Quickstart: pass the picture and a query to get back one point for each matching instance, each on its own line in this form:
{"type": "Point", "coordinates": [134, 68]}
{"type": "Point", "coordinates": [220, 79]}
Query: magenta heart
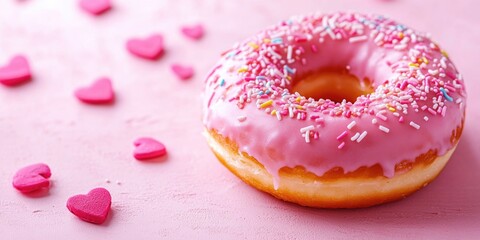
{"type": "Point", "coordinates": [194, 32]}
{"type": "Point", "coordinates": [183, 72]}
{"type": "Point", "coordinates": [148, 148]}
{"type": "Point", "coordinates": [95, 7]}
{"type": "Point", "coordinates": [17, 71]}
{"type": "Point", "coordinates": [100, 92]}
{"type": "Point", "coordinates": [93, 207]}
{"type": "Point", "coordinates": [32, 178]}
{"type": "Point", "coordinates": [149, 48]}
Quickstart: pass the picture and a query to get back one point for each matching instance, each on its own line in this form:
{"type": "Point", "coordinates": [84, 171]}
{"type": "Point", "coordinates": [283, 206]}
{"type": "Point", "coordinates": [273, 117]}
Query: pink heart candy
{"type": "Point", "coordinates": [16, 72]}
{"type": "Point", "coordinates": [182, 71]}
{"type": "Point", "coordinates": [149, 48]}
{"type": "Point", "coordinates": [32, 178]}
{"type": "Point", "coordinates": [100, 92]}
{"type": "Point", "coordinates": [95, 7]}
{"type": "Point", "coordinates": [194, 32]}
{"type": "Point", "coordinates": [93, 207]}
{"type": "Point", "coordinates": [148, 148]}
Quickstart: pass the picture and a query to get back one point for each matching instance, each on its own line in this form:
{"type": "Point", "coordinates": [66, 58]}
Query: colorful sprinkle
{"type": "Point", "coordinates": [414, 125]}
{"type": "Point", "coordinates": [362, 136]}
{"type": "Point", "coordinates": [355, 137]}
{"type": "Point", "coordinates": [445, 95]}
{"type": "Point", "coordinates": [358, 39]}
{"type": "Point", "coordinates": [342, 135]}
{"type": "Point", "coordinates": [351, 125]}
{"type": "Point", "coordinates": [384, 129]}
{"type": "Point", "coordinates": [306, 129]}
{"type": "Point", "coordinates": [241, 118]}
{"type": "Point", "coordinates": [266, 104]}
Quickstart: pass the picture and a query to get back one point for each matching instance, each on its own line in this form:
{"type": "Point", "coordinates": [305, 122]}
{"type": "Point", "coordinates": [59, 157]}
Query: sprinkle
{"type": "Point", "coordinates": [432, 72]}
{"type": "Point", "coordinates": [358, 39]}
{"type": "Point", "coordinates": [355, 136]}
{"type": "Point", "coordinates": [432, 111]}
{"type": "Point", "coordinates": [445, 95]}
{"type": "Point", "coordinates": [277, 40]}
{"type": "Point", "coordinates": [444, 111]}
{"type": "Point", "coordinates": [341, 145]}
{"type": "Point", "coordinates": [290, 112]}
{"type": "Point", "coordinates": [425, 118]}
{"type": "Point", "coordinates": [307, 128]}
{"type": "Point", "coordinates": [253, 45]}
{"type": "Point", "coordinates": [289, 52]}
{"type": "Point", "coordinates": [274, 54]}
{"type": "Point", "coordinates": [342, 135]}
{"type": "Point", "coordinates": [222, 82]}
{"type": "Point", "coordinates": [242, 69]}
{"type": "Point", "coordinates": [379, 37]}
{"type": "Point", "coordinates": [307, 136]}
{"type": "Point", "coordinates": [400, 47]}
{"type": "Point", "coordinates": [374, 121]}
{"type": "Point", "coordinates": [241, 118]}
{"type": "Point", "coordinates": [266, 104]}
{"type": "Point", "coordinates": [384, 129]}
{"type": "Point", "coordinates": [362, 136]}
{"type": "Point", "coordinates": [288, 69]}
{"type": "Point", "coordinates": [414, 125]}
{"type": "Point", "coordinates": [351, 125]}
{"type": "Point", "coordinates": [445, 54]}
{"type": "Point", "coordinates": [279, 116]}
{"type": "Point", "coordinates": [381, 116]}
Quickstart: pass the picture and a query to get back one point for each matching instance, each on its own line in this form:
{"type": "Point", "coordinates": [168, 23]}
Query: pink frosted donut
{"type": "Point", "coordinates": [335, 110]}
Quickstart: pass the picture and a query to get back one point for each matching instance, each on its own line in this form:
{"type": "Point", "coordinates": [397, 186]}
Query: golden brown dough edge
{"type": "Point", "coordinates": [363, 188]}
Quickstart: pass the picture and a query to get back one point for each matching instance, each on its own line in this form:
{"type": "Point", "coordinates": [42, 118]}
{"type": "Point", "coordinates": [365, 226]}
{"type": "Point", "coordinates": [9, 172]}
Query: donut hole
{"type": "Point", "coordinates": [333, 84]}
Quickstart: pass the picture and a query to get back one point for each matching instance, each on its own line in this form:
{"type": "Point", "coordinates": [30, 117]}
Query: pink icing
{"type": "Point", "coordinates": [419, 96]}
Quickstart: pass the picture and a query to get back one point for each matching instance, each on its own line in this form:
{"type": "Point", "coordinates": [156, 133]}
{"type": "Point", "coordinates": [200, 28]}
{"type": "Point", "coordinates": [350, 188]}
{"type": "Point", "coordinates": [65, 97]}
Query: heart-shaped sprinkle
{"type": "Point", "coordinates": [100, 92]}
{"type": "Point", "coordinates": [183, 72]}
{"type": "Point", "coordinates": [148, 148]}
{"type": "Point", "coordinates": [93, 207]}
{"type": "Point", "coordinates": [32, 178]}
{"type": "Point", "coordinates": [149, 48]}
{"type": "Point", "coordinates": [194, 32]}
{"type": "Point", "coordinates": [95, 7]}
{"type": "Point", "coordinates": [16, 72]}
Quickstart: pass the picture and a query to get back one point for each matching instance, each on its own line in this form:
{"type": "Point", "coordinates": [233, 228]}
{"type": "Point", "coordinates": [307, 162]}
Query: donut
{"type": "Point", "coordinates": [339, 110]}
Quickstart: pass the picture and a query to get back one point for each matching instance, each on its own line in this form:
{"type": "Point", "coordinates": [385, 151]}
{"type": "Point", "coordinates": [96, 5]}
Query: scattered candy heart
{"type": "Point", "coordinates": [17, 71]}
{"type": "Point", "coordinates": [194, 32]}
{"type": "Point", "coordinates": [100, 92]}
{"type": "Point", "coordinates": [148, 148]}
{"type": "Point", "coordinates": [149, 48]}
{"type": "Point", "coordinates": [95, 7]}
{"type": "Point", "coordinates": [93, 207]}
{"type": "Point", "coordinates": [183, 72]}
{"type": "Point", "coordinates": [32, 178]}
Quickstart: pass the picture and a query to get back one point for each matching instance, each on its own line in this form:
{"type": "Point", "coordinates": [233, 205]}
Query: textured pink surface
{"type": "Point", "coordinates": [189, 194]}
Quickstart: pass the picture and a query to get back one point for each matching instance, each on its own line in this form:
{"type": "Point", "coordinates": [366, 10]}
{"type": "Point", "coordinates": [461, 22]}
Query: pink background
{"type": "Point", "coordinates": [188, 193]}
